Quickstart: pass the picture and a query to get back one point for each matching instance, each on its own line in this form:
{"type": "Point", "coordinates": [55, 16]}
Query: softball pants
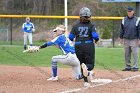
{"type": "Point", "coordinates": [86, 54]}
{"type": "Point", "coordinates": [29, 37]}
{"type": "Point", "coordinates": [70, 60]}
{"type": "Point", "coordinates": [131, 46]}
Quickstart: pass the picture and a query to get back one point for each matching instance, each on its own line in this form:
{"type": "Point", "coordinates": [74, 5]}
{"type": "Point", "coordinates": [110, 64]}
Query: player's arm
{"type": "Point", "coordinates": [23, 27]}
{"type": "Point", "coordinates": [72, 34]}
{"type": "Point", "coordinates": [33, 28]}
{"type": "Point", "coordinates": [138, 27]}
{"type": "Point", "coordinates": [55, 41]}
{"type": "Point", "coordinates": [121, 31]}
{"type": "Point", "coordinates": [46, 44]}
{"type": "Point", "coordinates": [33, 49]}
{"type": "Point", "coordinates": [122, 28]}
{"type": "Point", "coordinates": [95, 35]}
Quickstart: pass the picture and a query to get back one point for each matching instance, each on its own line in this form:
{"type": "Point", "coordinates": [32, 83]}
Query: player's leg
{"type": "Point", "coordinates": [54, 70]}
{"type": "Point", "coordinates": [128, 56]}
{"type": "Point", "coordinates": [79, 49]}
{"type": "Point", "coordinates": [30, 37]}
{"type": "Point", "coordinates": [87, 73]}
{"type": "Point", "coordinates": [55, 60]}
{"type": "Point", "coordinates": [128, 51]}
{"type": "Point", "coordinates": [135, 50]}
{"type": "Point", "coordinates": [77, 72]}
{"type": "Point", "coordinates": [75, 63]}
{"type": "Point", "coordinates": [70, 60]}
{"type": "Point", "coordinates": [25, 40]}
{"type": "Point", "coordinates": [90, 56]}
{"type": "Point", "coordinates": [90, 61]}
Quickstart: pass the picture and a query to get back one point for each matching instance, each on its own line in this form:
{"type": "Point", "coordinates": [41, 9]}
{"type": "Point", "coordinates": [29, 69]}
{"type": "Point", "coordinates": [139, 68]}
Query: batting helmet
{"type": "Point", "coordinates": [85, 12]}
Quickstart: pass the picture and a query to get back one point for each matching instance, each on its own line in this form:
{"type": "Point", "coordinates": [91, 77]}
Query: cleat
{"type": "Point", "coordinates": [79, 77]}
{"type": "Point", "coordinates": [24, 51]}
{"type": "Point", "coordinates": [86, 84]}
{"type": "Point", "coordinates": [127, 69]}
{"type": "Point", "coordinates": [91, 76]}
{"type": "Point", "coordinates": [85, 71]}
{"type": "Point", "coordinates": [53, 79]}
{"type": "Point", "coordinates": [134, 69]}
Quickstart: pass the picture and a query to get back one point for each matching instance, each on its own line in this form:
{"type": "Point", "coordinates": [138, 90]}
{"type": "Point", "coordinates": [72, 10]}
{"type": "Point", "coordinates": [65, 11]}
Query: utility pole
{"type": "Point", "coordinates": [66, 14]}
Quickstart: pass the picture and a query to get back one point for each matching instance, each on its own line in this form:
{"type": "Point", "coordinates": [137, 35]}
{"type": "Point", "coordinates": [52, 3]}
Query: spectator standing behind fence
{"type": "Point", "coordinates": [130, 36]}
{"type": "Point", "coordinates": [28, 29]}
{"type": "Point", "coordinates": [85, 36]}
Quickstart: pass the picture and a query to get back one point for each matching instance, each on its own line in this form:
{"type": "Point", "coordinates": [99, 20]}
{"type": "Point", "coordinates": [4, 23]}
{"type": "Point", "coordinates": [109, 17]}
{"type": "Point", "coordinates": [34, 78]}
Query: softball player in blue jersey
{"type": "Point", "coordinates": [27, 29]}
{"type": "Point", "coordinates": [85, 36]}
{"type": "Point", "coordinates": [69, 57]}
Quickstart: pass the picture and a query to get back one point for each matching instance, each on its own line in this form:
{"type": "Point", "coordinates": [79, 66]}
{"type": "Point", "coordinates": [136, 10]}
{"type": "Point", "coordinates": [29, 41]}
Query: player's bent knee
{"type": "Point", "coordinates": [90, 67]}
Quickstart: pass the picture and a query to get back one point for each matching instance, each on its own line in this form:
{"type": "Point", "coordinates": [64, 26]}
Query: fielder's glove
{"type": "Point", "coordinates": [33, 30]}
{"type": "Point", "coordinates": [32, 49]}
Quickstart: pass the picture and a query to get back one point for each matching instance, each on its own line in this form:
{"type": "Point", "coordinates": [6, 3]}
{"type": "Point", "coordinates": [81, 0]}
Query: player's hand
{"type": "Point", "coordinates": [33, 30]}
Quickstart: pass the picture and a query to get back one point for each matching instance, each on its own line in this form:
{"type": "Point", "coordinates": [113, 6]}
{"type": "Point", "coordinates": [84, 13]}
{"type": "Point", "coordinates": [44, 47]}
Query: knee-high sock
{"type": "Point", "coordinates": [25, 47]}
{"type": "Point", "coordinates": [54, 68]}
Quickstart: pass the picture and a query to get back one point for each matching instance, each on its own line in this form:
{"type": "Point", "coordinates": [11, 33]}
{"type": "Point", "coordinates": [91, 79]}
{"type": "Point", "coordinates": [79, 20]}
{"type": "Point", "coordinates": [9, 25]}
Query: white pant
{"type": "Point", "coordinates": [29, 36]}
{"type": "Point", "coordinates": [71, 60]}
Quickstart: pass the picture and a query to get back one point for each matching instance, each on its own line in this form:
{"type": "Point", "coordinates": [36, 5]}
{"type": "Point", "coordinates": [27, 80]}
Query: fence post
{"type": "Point", "coordinates": [113, 40]}
{"type": "Point", "coordinates": [11, 23]}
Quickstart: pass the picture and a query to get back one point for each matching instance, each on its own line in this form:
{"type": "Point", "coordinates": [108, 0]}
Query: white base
{"type": "Point", "coordinates": [101, 81]}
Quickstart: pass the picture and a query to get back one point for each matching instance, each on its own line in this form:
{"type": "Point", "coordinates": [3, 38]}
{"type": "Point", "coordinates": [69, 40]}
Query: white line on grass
{"type": "Point", "coordinates": [83, 88]}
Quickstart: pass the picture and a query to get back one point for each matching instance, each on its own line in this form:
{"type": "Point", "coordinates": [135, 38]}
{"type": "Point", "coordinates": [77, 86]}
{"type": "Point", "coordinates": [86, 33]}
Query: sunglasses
{"type": "Point", "coordinates": [129, 11]}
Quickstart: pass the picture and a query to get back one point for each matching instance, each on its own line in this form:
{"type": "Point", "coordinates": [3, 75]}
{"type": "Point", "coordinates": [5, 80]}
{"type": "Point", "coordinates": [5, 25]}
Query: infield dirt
{"type": "Point", "coordinates": [25, 79]}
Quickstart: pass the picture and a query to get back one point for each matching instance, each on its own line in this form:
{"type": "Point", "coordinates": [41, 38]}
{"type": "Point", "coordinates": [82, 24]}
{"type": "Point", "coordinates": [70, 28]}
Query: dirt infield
{"type": "Point", "coordinates": [24, 79]}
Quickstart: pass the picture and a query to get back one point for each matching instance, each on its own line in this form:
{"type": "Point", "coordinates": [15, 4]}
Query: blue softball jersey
{"type": "Point", "coordinates": [64, 44]}
{"type": "Point", "coordinates": [27, 27]}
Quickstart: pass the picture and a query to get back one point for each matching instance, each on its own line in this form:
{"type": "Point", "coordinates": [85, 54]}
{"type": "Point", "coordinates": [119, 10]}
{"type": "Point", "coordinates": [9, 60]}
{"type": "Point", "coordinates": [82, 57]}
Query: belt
{"type": "Point", "coordinates": [71, 53]}
{"type": "Point", "coordinates": [87, 41]}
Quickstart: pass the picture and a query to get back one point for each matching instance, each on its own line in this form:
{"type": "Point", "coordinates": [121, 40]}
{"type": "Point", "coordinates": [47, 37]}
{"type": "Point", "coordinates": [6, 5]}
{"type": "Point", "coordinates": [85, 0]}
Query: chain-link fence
{"type": "Point", "coordinates": [11, 30]}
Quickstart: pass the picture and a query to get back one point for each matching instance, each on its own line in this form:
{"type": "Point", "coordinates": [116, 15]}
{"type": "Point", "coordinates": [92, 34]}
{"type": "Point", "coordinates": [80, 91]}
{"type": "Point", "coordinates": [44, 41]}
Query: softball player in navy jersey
{"type": "Point", "coordinates": [69, 57]}
{"type": "Point", "coordinates": [85, 36]}
{"type": "Point", "coordinates": [28, 28]}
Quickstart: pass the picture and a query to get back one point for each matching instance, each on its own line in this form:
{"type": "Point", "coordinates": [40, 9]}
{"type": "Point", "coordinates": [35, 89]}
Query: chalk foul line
{"type": "Point", "coordinates": [83, 88]}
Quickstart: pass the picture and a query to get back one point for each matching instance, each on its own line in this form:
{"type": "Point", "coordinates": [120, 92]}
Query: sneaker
{"type": "Point", "coordinates": [86, 84]}
{"type": "Point", "coordinates": [24, 51]}
{"type": "Point", "coordinates": [53, 79]}
{"type": "Point", "coordinates": [91, 76]}
{"type": "Point", "coordinates": [134, 69]}
{"type": "Point", "coordinates": [127, 69]}
{"type": "Point", "coordinates": [85, 71]}
{"type": "Point", "coordinates": [79, 77]}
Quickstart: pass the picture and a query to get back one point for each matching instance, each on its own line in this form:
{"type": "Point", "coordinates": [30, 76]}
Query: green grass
{"type": "Point", "coordinates": [12, 55]}
{"type": "Point", "coordinates": [19, 42]}
{"type": "Point", "coordinates": [109, 58]}
{"type": "Point", "coordinates": [106, 58]}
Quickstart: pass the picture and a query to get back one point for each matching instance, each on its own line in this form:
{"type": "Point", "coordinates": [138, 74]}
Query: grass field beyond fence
{"type": "Point", "coordinates": [105, 58]}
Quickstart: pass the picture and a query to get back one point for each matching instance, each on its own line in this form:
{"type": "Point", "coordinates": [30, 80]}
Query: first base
{"type": "Point", "coordinates": [101, 80]}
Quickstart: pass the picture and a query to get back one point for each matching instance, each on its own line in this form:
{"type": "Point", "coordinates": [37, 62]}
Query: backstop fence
{"type": "Point", "coordinates": [11, 28]}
